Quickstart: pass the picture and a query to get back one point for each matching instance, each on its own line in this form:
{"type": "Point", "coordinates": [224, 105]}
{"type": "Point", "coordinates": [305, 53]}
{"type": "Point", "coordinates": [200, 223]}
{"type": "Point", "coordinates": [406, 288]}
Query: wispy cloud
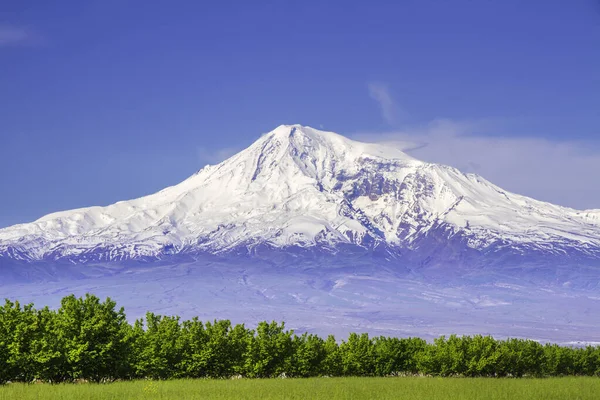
{"type": "Point", "coordinates": [561, 172]}
{"type": "Point", "coordinates": [380, 92]}
{"type": "Point", "coordinates": [11, 35]}
{"type": "Point", "coordinates": [216, 156]}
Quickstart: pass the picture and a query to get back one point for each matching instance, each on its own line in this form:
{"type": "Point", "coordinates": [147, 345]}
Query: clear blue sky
{"type": "Point", "coordinates": [102, 101]}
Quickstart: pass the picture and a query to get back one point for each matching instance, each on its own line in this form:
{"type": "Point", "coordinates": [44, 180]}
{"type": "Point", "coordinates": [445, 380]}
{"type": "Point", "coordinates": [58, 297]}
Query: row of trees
{"type": "Point", "coordinates": [92, 340]}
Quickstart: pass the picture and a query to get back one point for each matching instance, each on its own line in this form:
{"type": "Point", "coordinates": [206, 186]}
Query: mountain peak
{"type": "Point", "coordinates": [288, 132]}
{"type": "Point", "coordinates": [297, 186]}
{"type": "Point", "coordinates": [305, 139]}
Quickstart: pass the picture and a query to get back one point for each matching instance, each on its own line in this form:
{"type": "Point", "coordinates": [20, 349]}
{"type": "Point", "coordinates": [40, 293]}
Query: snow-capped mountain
{"type": "Point", "coordinates": [300, 188]}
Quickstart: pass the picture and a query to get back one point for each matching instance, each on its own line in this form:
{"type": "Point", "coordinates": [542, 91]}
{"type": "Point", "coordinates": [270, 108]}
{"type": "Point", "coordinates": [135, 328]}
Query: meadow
{"type": "Point", "coordinates": [409, 388]}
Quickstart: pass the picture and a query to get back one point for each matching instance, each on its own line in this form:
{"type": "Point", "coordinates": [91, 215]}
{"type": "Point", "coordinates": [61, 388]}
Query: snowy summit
{"type": "Point", "coordinates": [298, 188]}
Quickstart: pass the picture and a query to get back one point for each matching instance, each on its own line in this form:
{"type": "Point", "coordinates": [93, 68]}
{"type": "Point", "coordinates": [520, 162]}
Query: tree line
{"type": "Point", "coordinates": [87, 339]}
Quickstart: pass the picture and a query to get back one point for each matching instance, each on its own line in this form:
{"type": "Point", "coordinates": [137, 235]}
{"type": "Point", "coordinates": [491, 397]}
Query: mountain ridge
{"type": "Point", "coordinates": [298, 187]}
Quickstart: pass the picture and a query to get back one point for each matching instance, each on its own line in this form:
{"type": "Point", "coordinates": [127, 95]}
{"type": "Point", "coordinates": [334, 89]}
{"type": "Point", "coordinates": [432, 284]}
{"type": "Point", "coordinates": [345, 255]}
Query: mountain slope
{"type": "Point", "coordinates": [300, 187]}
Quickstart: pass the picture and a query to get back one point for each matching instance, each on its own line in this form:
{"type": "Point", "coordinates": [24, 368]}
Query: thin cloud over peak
{"type": "Point", "coordinates": [380, 92]}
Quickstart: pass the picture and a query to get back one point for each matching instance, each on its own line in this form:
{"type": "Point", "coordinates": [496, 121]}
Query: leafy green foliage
{"type": "Point", "coordinates": [308, 357]}
{"type": "Point", "coordinates": [87, 339]}
{"type": "Point", "coordinates": [93, 336]}
{"type": "Point", "coordinates": [269, 352]}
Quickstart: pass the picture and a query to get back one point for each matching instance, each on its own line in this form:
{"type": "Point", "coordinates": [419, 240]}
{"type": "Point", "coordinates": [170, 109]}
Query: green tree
{"type": "Point", "coordinates": [159, 349]}
{"type": "Point", "coordinates": [358, 356]}
{"type": "Point", "coordinates": [332, 364]}
{"type": "Point", "coordinates": [94, 334]}
{"type": "Point", "coordinates": [558, 360]}
{"type": "Point", "coordinates": [517, 357]}
{"type": "Point", "coordinates": [587, 361]}
{"type": "Point", "coordinates": [17, 331]}
{"type": "Point", "coordinates": [269, 351]}
{"type": "Point", "coordinates": [394, 355]}
{"type": "Point", "coordinates": [48, 350]}
{"type": "Point", "coordinates": [481, 356]}
{"type": "Point", "coordinates": [309, 355]}
{"type": "Point", "coordinates": [213, 350]}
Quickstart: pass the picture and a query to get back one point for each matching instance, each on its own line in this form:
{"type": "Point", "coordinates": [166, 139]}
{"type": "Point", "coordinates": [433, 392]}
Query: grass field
{"type": "Point", "coordinates": [319, 388]}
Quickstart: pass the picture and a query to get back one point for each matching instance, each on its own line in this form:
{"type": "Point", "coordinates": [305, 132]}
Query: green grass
{"type": "Point", "coordinates": [319, 388]}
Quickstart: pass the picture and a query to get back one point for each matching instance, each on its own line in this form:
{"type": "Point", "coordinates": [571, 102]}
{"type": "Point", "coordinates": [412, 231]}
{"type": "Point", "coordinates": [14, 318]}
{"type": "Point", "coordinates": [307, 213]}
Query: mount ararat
{"type": "Point", "coordinates": [307, 223]}
{"type": "Point", "coordinates": [300, 187]}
